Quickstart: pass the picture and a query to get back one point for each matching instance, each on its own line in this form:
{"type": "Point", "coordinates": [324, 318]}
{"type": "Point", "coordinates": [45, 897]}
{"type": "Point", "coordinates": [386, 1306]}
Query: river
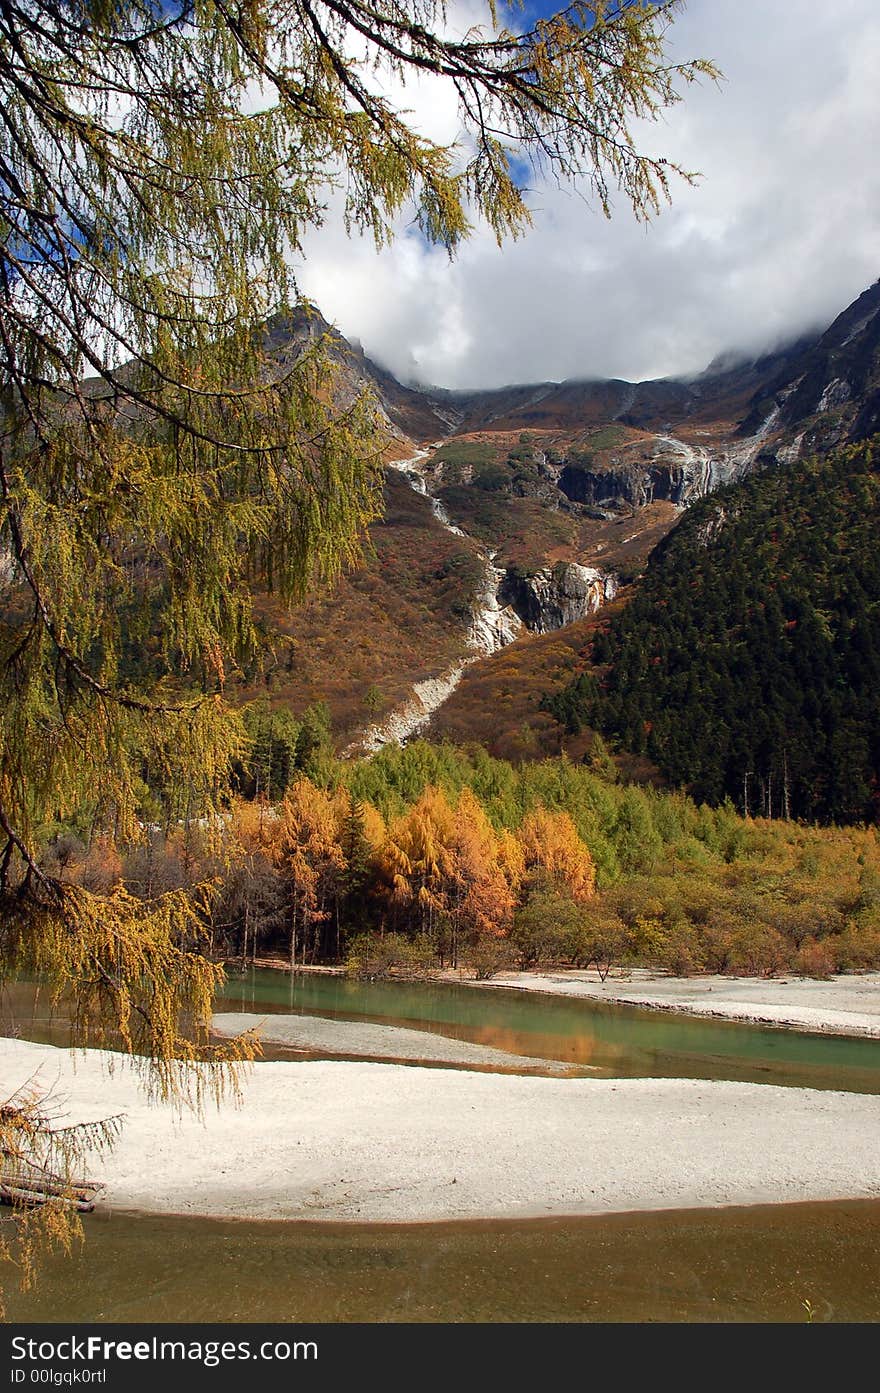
{"type": "Point", "coordinates": [747, 1264]}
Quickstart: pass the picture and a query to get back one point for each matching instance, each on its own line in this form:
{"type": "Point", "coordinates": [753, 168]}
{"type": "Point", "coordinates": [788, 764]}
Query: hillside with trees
{"type": "Point", "coordinates": [162, 166]}
{"type": "Point", "coordinates": [747, 664]}
{"type": "Point", "coordinates": [430, 857]}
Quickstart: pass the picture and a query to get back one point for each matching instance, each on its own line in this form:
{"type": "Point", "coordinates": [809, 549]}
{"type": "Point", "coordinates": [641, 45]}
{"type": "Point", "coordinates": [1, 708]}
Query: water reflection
{"type": "Point", "coordinates": [616, 1040]}
{"type": "Point", "coordinates": [606, 1039]}
{"type": "Point", "coordinates": [730, 1265]}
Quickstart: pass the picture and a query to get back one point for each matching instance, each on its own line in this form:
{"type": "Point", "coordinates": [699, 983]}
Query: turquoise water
{"type": "Point", "coordinates": [756, 1264]}
{"type": "Point", "coordinates": [588, 1036]}
{"type": "Point", "coordinates": [619, 1040]}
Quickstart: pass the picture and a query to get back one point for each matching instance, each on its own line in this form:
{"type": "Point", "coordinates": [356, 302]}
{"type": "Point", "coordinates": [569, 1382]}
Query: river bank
{"type": "Point", "coordinates": [846, 1005]}
{"type": "Point", "coordinates": [361, 1142]}
{"type": "Point", "coordinates": [370, 1041]}
{"type": "Point", "coordinates": [843, 1005]}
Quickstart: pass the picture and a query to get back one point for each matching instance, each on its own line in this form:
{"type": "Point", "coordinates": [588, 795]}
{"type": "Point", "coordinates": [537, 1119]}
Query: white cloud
{"type": "Point", "coordinates": [779, 235]}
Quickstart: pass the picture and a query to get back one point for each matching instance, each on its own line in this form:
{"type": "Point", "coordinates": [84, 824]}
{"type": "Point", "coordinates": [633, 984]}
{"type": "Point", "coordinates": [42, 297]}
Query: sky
{"type": "Point", "coordinates": [778, 235]}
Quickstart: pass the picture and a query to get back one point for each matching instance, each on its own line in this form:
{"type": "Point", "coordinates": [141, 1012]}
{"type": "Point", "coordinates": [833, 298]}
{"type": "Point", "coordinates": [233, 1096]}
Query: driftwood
{"type": "Point", "coordinates": [31, 1190]}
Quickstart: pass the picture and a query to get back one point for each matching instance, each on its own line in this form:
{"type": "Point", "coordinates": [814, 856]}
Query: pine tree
{"type": "Point", "coordinates": [357, 851]}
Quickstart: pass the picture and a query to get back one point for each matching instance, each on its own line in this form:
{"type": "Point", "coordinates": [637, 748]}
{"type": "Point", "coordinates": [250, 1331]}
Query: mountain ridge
{"type": "Point", "coordinates": [529, 492]}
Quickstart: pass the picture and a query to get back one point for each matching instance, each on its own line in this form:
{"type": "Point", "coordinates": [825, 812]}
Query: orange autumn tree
{"type": "Point", "coordinates": [250, 900]}
{"type": "Point", "coordinates": [419, 864]}
{"type": "Point", "coordinates": [488, 871]}
{"type": "Point", "coordinates": [554, 852]}
{"type": "Point", "coordinates": [560, 880]}
{"type": "Point", "coordinates": [304, 843]}
{"type": "Point", "coordinates": [452, 870]}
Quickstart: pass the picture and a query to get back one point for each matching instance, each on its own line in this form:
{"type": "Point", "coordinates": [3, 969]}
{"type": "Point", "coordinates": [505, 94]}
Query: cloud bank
{"type": "Point", "coordinates": [777, 237]}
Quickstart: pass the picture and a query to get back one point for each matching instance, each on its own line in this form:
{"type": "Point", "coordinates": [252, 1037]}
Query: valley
{"type": "Point", "coordinates": [514, 516]}
{"type": "Point", "coordinates": [440, 659]}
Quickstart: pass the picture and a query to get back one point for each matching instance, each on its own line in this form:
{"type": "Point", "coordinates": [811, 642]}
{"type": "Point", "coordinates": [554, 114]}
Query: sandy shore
{"type": "Point", "coordinates": [840, 1006]}
{"type": "Point", "coordinates": [318, 1035]}
{"type": "Point", "coordinates": [360, 1141]}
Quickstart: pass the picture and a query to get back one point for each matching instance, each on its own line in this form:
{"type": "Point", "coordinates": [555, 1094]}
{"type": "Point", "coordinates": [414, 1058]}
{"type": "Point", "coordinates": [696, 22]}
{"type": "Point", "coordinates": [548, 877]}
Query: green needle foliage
{"type": "Point", "coordinates": [159, 166]}
{"type": "Point", "coordinates": [748, 663]}
{"type": "Point", "coordinates": [160, 162]}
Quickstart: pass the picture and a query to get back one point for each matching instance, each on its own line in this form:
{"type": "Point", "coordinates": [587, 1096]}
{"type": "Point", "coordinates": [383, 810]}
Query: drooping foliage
{"type": "Point", "coordinates": [41, 1160]}
{"type": "Point", "coordinates": [160, 447]}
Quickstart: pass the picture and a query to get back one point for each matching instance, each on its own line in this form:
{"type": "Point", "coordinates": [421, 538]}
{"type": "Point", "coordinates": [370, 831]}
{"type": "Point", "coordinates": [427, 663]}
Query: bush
{"type": "Point", "coordinates": [757, 950]}
{"type": "Point", "coordinates": [857, 949]}
{"type": "Point", "coordinates": [678, 952]}
{"type": "Point", "coordinates": [373, 957]}
{"type": "Point", "coordinates": [546, 929]}
{"type": "Point", "coordinates": [815, 959]}
{"type": "Point", "coordinates": [605, 941]}
{"type": "Point", "coordinates": [489, 954]}
{"type": "Point", "coordinates": [717, 948]}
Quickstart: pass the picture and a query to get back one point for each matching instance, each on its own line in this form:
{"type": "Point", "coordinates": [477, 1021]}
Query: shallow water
{"type": "Point", "coordinates": [613, 1040]}
{"type": "Point", "coordinates": [609, 1040]}
{"type": "Point", "coordinates": [755, 1264]}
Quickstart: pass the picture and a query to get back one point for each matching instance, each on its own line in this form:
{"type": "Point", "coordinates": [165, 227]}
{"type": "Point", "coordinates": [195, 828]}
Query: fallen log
{"type": "Point", "coordinates": [30, 1199]}
{"type": "Point", "coordinates": [34, 1190]}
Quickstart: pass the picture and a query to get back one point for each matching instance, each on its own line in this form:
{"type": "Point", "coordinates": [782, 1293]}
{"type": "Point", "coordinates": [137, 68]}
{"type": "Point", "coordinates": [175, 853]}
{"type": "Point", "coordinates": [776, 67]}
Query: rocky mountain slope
{"type": "Point", "coordinates": [517, 512]}
{"type": "Point", "coordinates": [747, 666]}
{"type": "Point", "coordinates": [828, 394]}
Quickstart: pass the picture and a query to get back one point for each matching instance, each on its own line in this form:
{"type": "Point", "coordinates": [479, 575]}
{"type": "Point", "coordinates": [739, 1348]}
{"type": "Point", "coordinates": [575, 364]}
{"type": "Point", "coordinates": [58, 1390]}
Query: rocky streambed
{"type": "Point", "coordinates": [507, 602]}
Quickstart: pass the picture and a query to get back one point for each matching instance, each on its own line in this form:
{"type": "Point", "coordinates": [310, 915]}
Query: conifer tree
{"type": "Point", "coordinates": [160, 164]}
{"type": "Point", "coordinates": [357, 852]}
{"type": "Point", "coordinates": [554, 853]}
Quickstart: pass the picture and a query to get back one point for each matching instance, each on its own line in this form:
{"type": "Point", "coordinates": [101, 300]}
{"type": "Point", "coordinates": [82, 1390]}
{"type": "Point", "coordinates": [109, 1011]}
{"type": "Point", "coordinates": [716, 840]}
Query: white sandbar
{"type": "Point", "coordinates": [846, 1005]}
{"type": "Point", "coordinates": [358, 1141]}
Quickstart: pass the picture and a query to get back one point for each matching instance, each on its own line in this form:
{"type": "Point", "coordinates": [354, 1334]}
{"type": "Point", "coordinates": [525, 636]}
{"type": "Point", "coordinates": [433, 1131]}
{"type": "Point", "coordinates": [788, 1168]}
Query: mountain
{"type": "Point", "coordinates": [411, 415]}
{"type": "Point", "coordinates": [747, 665]}
{"type": "Point", "coordinates": [527, 509]}
{"type": "Point", "coordinates": [828, 393]}
{"type": "Point", "coordinates": [719, 396]}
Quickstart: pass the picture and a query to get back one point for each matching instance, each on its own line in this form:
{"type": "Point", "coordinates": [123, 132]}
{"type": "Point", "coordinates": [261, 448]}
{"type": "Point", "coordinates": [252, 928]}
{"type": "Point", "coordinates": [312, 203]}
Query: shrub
{"type": "Point", "coordinates": [372, 957]}
{"type": "Point", "coordinates": [815, 959]}
{"type": "Point", "coordinates": [606, 942]}
{"type": "Point", "coordinates": [489, 954]}
{"type": "Point", "coordinates": [546, 928]}
{"type": "Point", "coordinates": [678, 951]}
{"type": "Point", "coordinates": [757, 950]}
{"type": "Point", "coordinates": [857, 949]}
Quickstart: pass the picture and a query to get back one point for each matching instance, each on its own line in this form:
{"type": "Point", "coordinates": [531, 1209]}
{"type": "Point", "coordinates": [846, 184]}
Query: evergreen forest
{"type": "Point", "coordinates": [746, 665]}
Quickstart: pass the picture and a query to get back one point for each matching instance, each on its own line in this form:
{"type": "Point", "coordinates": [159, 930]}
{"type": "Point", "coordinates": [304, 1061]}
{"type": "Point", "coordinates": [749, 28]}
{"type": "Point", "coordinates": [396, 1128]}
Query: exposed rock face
{"type": "Point", "coordinates": [829, 394]}
{"type": "Point", "coordinates": [415, 714]}
{"type": "Point", "coordinates": [551, 598]}
{"type": "Point", "coordinates": [679, 474]}
{"type": "Point", "coordinates": [629, 486]}
{"type": "Point", "coordinates": [687, 474]}
{"type": "Point", "coordinates": [410, 414]}
{"type": "Point", "coordinates": [495, 623]}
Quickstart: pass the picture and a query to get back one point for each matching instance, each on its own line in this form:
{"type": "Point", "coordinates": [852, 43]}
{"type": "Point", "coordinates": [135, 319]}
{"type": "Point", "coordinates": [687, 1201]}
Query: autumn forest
{"type": "Point", "coordinates": [430, 856]}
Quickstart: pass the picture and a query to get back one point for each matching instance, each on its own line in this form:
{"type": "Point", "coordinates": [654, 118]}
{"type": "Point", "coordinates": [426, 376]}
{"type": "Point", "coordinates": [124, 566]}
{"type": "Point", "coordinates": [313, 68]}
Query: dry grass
{"type": "Point", "coordinates": [403, 615]}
